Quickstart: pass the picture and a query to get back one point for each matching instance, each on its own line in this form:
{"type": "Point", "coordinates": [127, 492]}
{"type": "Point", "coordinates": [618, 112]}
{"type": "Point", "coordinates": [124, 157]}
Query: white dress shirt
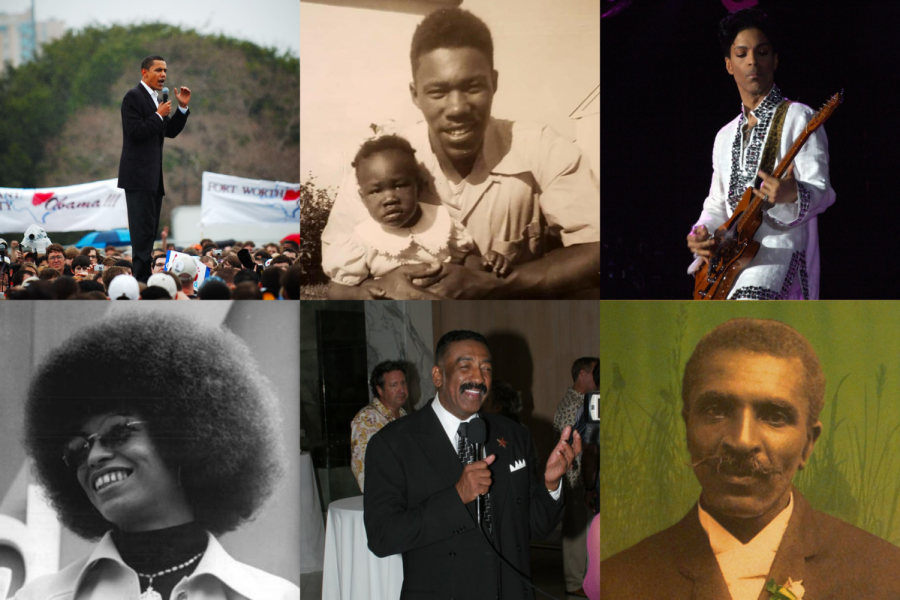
{"type": "Point", "coordinates": [451, 428]}
{"type": "Point", "coordinates": [746, 566]}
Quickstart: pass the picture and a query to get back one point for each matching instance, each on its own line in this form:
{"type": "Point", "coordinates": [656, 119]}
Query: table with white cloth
{"type": "Point", "coordinates": [312, 530]}
{"type": "Point", "coordinates": [351, 570]}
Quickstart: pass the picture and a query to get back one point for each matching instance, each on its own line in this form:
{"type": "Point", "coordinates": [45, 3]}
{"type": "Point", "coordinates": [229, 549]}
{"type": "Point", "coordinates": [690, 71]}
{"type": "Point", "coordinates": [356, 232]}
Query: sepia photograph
{"type": "Point", "coordinates": [450, 149]}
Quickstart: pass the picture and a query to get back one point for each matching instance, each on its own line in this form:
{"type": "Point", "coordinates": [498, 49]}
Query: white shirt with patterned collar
{"type": "Point", "coordinates": [787, 264]}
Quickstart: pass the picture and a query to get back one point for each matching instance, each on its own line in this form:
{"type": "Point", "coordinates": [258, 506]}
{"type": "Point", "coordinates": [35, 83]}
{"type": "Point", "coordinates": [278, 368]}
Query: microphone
{"type": "Point", "coordinates": [477, 435]}
{"type": "Point", "coordinates": [165, 91]}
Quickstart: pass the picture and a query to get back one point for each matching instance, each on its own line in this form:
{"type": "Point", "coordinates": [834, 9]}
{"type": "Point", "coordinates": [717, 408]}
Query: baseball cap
{"type": "Point", "coordinates": [124, 284]}
{"type": "Point", "coordinates": [164, 281]}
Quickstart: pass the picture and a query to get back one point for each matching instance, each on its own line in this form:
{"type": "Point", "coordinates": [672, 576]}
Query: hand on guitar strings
{"type": "Point", "coordinates": [778, 191]}
{"type": "Point", "coordinates": [701, 242]}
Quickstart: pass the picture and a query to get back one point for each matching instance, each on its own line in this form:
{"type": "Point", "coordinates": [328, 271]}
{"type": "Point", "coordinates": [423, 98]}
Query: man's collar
{"type": "Point", "coordinates": [448, 421]}
{"type": "Point", "coordinates": [721, 540]}
{"type": "Point", "coordinates": [151, 91]}
{"type": "Point", "coordinates": [767, 106]}
{"type": "Point", "coordinates": [384, 410]}
{"type": "Point", "coordinates": [496, 154]}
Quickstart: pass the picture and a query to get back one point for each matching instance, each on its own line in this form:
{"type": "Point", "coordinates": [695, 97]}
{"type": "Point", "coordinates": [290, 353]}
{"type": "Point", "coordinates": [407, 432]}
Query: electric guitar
{"type": "Point", "coordinates": [735, 246]}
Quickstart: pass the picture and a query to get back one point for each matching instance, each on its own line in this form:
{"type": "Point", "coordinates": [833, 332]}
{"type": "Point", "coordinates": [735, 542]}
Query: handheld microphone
{"type": "Point", "coordinates": [165, 91]}
{"type": "Point", "coordinates": [477, 435]}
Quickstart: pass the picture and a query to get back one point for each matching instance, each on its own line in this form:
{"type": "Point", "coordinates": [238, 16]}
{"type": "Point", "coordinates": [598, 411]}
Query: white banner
{"type": "Point", "coordinates": [95, 206]}
{"type": "Point", "coordinates": [200, 272]}
{"type": "Point", "coordinates": [228, 199]}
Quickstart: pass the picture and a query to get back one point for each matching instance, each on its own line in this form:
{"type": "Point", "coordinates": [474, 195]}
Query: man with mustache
{"type": "Point", "coordinates": [420, 498]}
{"type": "Point", "coordinates": [752, 393]}
{"type": "Point", "coordinates": [787, 264]}
{"type": "Point", "coordinates": [510, 184]}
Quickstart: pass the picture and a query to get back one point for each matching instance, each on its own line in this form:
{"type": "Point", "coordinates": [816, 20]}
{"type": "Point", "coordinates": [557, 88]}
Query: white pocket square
{"type": "Point", "coordinates": [519, 464]}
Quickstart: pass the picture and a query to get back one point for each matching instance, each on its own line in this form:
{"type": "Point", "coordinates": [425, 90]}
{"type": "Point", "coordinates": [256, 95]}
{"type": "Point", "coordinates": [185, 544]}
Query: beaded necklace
{"type": "Point", "coordinates": [152, 594]}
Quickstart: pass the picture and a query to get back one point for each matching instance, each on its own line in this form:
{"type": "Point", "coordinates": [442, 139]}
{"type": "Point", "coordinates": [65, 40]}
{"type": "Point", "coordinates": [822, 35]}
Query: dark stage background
{"type": "Point", "coordinates": [666, 93]}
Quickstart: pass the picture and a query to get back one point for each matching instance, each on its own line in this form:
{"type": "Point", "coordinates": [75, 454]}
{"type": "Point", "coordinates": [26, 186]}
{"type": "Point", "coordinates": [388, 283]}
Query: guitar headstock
{"type": "Point", "coordinates": [825, 112]}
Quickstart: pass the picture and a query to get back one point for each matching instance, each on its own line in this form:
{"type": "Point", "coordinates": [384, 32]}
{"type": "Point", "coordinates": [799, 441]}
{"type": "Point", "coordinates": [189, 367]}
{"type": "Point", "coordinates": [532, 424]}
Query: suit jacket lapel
{"type": "Point", "coordinates": [697, 561]}
{"type": "Point", "coordinates": [500, 475]}
{"type": "Point", "coordinates": [436, 448]}
{"type": "Point", "coordinates": [800, 541]}
{"type": "Point", "coordinates": [147, 96]}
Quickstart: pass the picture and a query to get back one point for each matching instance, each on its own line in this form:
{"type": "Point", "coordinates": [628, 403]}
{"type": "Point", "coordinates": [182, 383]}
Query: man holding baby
{"type": "Point", "coordinates": [509, 184]}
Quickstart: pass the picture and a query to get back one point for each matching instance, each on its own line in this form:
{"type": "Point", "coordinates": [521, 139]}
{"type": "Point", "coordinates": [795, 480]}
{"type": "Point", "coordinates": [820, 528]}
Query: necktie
{"type": "Point", "coordinates": [466, 453]}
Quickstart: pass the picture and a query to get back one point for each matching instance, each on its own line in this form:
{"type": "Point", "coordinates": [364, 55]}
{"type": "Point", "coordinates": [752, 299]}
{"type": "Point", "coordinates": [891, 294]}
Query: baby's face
{"type": "Point", "coordinates": [388, 186]}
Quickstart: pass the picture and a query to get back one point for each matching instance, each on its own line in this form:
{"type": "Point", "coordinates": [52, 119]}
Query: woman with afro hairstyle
{"type": "Point", "coordinates": [177, 445]}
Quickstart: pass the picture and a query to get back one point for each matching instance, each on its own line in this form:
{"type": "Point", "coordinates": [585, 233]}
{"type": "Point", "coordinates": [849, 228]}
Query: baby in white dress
{"type": "Point", "coordinates": [401, 230]}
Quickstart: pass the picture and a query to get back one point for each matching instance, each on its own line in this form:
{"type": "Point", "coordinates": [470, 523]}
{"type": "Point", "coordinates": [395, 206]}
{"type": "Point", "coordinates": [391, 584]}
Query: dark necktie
{"type": "Point", "coordinates": [466, 453]}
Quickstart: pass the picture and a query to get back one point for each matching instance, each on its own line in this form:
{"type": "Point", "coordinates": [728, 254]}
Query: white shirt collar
{"type": "Point", "coordinates": [431, 231]}
{"type": "Point", "coordinates": [153, 93]}
{"type": "Point", "coordinates": [215, 562]}
{"type": "Point", "coordinates": [746, 566]}
{"type": "Point", "coordinates": [448, 421]}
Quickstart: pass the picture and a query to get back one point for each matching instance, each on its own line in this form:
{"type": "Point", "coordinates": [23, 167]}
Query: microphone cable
{"type": "Point", "coordinates": [525, 579]}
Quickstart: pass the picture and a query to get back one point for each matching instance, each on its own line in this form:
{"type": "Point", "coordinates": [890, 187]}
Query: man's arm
{"type": "Point", "coordinates": [176, 123]}
{"type": "Point", "coordinates": [393, 525]}
{"type": "Point", "coordinates": [560, 272]}
{"type": "Point", "coordinates": [135, 125]}
{"type": "Point", "coordinates": [358, 449]}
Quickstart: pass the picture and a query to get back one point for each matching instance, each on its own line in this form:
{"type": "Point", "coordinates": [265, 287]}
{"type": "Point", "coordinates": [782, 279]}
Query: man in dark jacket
{"type": "Point", "coordinates": [752, 392]}
{"type": "Point", "coordinates": [420, 498]}
{"type": "Point", "coordinates": [145, 124]}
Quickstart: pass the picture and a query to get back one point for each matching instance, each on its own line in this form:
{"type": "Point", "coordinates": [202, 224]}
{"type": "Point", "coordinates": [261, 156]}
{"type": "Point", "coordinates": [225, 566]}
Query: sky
{"type": "Point", "coordinates": [268, 23]}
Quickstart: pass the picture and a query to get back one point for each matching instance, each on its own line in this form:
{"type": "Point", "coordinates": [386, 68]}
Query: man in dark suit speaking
{"type": "Point", "coordinates": [145, 124]}
{"type": "Point", "coordinates": [752, 393]}
{"type": "Point", "coordinates": [420, 498]}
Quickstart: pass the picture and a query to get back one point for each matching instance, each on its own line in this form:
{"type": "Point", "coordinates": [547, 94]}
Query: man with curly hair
{"type": "Point", "coordinates": [509, 183]}
{"type": "Point", "coordinates": [389, 394]}
{"type": "Point", "coordinates": [156, 462]}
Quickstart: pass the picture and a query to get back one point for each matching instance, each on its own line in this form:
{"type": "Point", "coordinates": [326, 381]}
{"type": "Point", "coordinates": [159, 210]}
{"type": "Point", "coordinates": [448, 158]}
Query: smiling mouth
{"type": "Point", "coordinates": [108, 479]}
{"type": "Point", "coordinates": [461, 133]}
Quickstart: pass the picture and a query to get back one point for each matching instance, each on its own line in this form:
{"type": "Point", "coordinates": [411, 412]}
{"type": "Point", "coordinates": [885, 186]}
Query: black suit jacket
{"type": "Point", "coordinates": [412, 507]}
{"type": "Point", "coordinates": [833, 559]}
{"type": "Point", "coordinates": [143, 132]}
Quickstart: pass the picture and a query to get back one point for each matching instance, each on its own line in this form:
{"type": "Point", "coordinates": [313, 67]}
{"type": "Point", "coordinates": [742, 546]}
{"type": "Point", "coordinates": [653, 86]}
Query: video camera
{"type": "Point", "coordinates": [588, 418]}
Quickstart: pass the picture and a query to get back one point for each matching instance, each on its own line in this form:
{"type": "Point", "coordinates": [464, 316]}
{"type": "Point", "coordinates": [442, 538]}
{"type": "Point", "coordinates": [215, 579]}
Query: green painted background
{"type": "Point", "coordinates": [645, 482]}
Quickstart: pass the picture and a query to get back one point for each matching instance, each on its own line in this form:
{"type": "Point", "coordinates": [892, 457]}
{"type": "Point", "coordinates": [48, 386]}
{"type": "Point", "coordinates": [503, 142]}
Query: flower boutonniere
{"type": "Point", "coordinates": [792, 590]}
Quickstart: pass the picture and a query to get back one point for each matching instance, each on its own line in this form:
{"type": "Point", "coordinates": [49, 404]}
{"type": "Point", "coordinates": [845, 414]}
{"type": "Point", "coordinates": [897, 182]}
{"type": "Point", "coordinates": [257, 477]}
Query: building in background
{"type": "Point", "coordinates": [21, 37]}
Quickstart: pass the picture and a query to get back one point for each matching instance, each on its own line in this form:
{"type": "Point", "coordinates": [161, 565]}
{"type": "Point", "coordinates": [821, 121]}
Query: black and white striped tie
{"type": "Point", "coordinates": [466, 453]}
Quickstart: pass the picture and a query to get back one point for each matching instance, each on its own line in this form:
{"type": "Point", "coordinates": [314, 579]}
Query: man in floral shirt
{"type": "Point", "coordinates": [388, 383]}
{"type": "Point", "coordinates": [575, 520]}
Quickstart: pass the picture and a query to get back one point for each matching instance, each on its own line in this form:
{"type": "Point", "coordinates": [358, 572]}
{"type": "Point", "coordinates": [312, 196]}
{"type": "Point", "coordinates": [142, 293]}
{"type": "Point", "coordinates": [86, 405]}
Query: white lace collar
{"type": "Point", "coordinates": [431, 232]}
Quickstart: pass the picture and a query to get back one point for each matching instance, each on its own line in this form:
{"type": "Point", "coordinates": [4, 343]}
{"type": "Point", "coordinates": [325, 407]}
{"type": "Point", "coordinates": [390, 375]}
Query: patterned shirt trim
{"type": "Point", "coordinates": [740, 178]}
{"type": "Point", "coordinates": [797, 265]}
{"type": "Point", "coordinates": [803, 197]}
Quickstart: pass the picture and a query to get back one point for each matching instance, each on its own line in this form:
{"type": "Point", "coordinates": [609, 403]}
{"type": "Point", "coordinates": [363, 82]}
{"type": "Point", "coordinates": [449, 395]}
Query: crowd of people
{"type": "Point", "coordinates": [237, 271]}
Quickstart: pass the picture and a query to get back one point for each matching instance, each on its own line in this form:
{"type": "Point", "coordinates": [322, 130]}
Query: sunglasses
{"type": "Point", "coordinates": [113, 436]}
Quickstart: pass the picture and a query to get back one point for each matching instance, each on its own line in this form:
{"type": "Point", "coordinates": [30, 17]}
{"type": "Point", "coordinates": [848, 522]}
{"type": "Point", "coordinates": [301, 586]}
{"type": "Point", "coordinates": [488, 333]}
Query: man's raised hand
{"type": "Point", "coordinates": [183, 95]}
